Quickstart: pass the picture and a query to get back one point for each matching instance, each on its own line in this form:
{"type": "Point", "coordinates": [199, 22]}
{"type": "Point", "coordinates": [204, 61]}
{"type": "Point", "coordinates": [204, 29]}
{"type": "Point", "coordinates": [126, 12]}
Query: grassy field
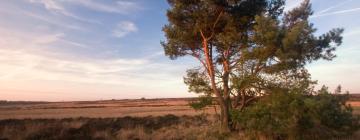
{"type": "Point", "coordinates": [113, 119]}
{"type": "Point", "coordinates": [133, 128]}
{"type": "Point", "coordinates": [98, 109]}
{"type": "Point", "coordinates": [106, 109]}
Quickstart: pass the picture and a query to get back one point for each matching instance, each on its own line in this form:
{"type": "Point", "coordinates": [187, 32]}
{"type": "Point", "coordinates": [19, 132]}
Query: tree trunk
{"type": "Point", "coordinates": [224, 104]}
{"type": "Point", "coordinates": [226, 94]}
{"type": "Point", "coordinates": [225, 126]}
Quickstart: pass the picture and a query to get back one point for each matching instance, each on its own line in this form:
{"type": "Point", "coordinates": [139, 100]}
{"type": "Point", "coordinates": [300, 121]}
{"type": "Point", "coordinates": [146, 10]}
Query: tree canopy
{"type": "Point", "coordinates": [246, 48]}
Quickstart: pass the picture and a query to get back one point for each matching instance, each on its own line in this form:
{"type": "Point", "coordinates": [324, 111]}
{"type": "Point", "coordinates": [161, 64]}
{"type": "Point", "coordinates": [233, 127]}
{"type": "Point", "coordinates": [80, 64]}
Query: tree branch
{"type": "Point", "coordinates": [214, 25]}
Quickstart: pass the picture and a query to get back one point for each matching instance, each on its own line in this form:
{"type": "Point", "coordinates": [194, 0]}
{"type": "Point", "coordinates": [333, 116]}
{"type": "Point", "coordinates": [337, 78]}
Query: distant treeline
{"type": "Point", "coordinates": [355, 97]}
{"type": "Point", "coordinates": [5, 102]}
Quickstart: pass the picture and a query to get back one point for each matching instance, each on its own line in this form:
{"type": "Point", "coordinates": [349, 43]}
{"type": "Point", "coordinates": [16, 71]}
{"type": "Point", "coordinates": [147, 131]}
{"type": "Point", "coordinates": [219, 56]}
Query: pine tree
{"type": "Point", "coordinates": [246, 48]}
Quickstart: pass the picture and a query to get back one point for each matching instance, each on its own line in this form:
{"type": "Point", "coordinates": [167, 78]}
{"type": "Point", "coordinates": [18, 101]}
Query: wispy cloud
{"type": "Point", "coordinates": [290, 4]}
{"type": "Point", "coordinates": [336, 12]}
{"type": "Point", "coordinates": [132, 75]}
{"type": "Point", "coordinates": [123, 28]}
{"type": "Point", "coordinates": [121, 7]}
{"type": "Point", "coordinates": [328, 11]}
{"type": "Point", "coordinates": [47, 39]}
{"type": "Point", "coordinates": [333, 7]}
{"type": "Point", "coordinates": [50, 5]}
{"type": "Point", "coordinates": [36, 18]}
{"type": "Point", "coordinates": [52, 21]}
{"type": "Point", "coordinates": [37, 70]}
{"type": "Point", "coordinates": [34, 42]}
{"type": "Point", "coordinates": [58, 7]}
{"type": "Point", "coordinates": [73, 43]}
{"type": "Point", "coordinates": [12, 39]}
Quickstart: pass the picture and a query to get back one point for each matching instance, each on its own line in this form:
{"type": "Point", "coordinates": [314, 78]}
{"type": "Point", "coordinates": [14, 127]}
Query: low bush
{"type": "Point", "coordinates": [290, 115]}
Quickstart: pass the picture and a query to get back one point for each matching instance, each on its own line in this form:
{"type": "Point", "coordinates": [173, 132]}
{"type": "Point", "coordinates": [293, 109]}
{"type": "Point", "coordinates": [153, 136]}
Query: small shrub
{"type": "Point", "coordinates": [202, 102]}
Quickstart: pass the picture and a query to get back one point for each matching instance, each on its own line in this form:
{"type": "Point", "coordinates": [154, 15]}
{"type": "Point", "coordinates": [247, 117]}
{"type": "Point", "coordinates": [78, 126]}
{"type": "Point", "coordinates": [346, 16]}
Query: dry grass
{"type": "Point", "coordinates": [103, 120]}
{"type": "Point", "coordinates": [169, 127]}
{"type": "Point", "coordinates": [142, 128]}
{"type": "Point", "coordinates": [106, 109]}
{"type": "Point", "coordinates": [99, 109]}
{"type": "Point", "coordinates": [354, 103]}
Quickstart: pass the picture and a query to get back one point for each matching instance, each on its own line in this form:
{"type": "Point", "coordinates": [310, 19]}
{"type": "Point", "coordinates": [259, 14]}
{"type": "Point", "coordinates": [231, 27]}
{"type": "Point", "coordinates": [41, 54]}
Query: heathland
{"type": "Point", "coordinates": [115, 119]}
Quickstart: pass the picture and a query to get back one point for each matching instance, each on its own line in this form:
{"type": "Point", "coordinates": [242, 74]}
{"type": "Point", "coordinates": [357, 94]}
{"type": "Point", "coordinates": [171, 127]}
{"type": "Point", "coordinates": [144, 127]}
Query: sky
{"type": "Point", "coordinates": [66, 50]}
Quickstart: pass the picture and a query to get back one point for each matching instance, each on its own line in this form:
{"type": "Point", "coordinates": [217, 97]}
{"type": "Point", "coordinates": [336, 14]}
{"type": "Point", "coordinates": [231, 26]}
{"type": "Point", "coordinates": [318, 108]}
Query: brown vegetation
{"type": "Point", "coordinates": [129, 128]}
{"type": "Point", "coordinates": [161, 127]}
{"type": "Point", "coordinates": [98, 109]}
{"type": "Point", "coordinates": [110, 120]}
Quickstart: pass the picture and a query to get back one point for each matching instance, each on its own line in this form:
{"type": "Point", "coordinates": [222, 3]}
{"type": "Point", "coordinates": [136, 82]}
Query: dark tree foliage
{"type": "Point", "coordinates": [246, 48]}
{"type": "Point", "coordinates": [294, 115]}
{"type": "Point", "coordinates": [203, 102]}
